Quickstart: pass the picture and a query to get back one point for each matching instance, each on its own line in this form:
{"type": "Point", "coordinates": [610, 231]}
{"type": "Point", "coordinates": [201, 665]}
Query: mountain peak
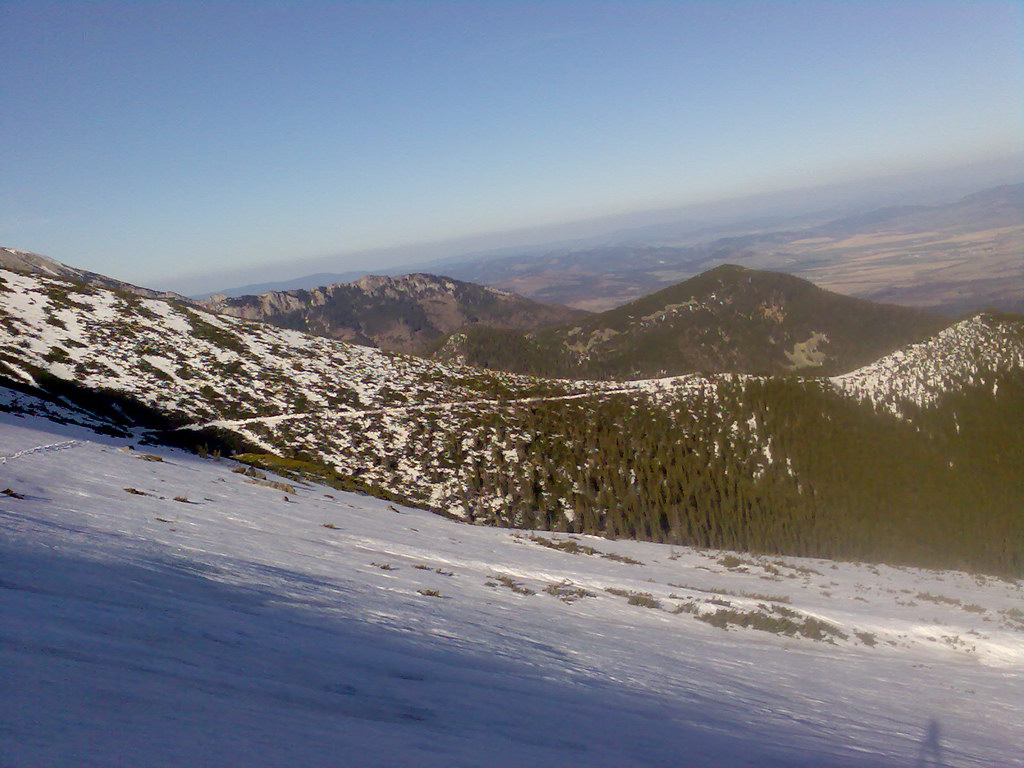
{"type": "Point", "coordinates": [727, 270]}
{"type": "Point", "coordinates": [728, 319]}
{"type": "Point", "coordinates": [26, 261]}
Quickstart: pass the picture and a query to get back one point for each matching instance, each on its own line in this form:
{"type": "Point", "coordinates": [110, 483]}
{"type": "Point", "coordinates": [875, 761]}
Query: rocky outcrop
{"type": "Point", "coordinates": [406, 313]}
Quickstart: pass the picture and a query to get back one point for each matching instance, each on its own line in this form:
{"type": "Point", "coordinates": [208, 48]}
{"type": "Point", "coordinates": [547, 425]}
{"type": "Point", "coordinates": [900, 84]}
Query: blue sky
{"type": "Point", "coordinates": [156, 140]}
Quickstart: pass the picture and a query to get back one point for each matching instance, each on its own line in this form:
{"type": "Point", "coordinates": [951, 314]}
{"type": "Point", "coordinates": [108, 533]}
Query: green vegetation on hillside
{"type": "Point", "coordinates": [774, 466]}
{"type": "Point", "coordinates": [304, 470]}
{"type": "Point", "coordinates": [729, 319]}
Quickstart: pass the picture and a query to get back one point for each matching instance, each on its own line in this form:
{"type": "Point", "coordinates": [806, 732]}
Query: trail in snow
{"type": "Point", "coordinates": [415, 408]}
{"type": "Point", "coordinates": [50, 448]}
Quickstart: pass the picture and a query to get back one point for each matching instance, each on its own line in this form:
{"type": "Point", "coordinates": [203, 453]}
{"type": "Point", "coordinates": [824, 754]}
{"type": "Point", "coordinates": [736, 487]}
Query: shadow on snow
{"type": "Point", "coordinates": [154, 661]}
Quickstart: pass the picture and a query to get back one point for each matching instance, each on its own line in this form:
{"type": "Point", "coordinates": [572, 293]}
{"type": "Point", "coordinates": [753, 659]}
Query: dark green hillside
{"type": "Point", "coordinates": [728, 319]}
{"type": "Point", "coordinates": [771, 466]}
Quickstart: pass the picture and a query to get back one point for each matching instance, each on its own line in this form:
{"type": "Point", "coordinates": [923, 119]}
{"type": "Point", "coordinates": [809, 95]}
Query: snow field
{"type": "Point", "coordinates": [236, 628]}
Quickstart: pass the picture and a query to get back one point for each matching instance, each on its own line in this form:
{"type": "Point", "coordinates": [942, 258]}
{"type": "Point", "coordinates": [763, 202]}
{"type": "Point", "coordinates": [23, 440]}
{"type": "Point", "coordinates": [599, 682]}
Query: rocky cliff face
{"type": "Point", "coordinates": [407, 313]}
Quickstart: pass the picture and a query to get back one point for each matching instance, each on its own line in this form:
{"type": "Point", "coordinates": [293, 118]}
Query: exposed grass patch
{"type": "Point", "coordinates": [217, 336]}
{"type": "Point", "coordinates": [732, 593]}
{"type": "Point", "coordinates": [249, 471]}
{"type": "Point", "coordinates": [1013, 618]}
{"type": "Point", "coordinates": [429, 592]}
{"type": "Point", "coordinates": [620, 558]}
{"type": "Point", "coordinates": [568, 592]}
{"type": "Point", "coordinates": [147, 367]}
{"type": "Point", "coordinates": [570, 546]}
{"type": "Point", "coordinates": [575, 548]}
{"type": "Point", "coordinates": [60, 298]}
{"type": "Point", "coordinates": [805, 571]}
{"type": "Point", "coordinates": [732, 562]}
{"type": "Point", "coordinates": [687, 607]}
{"type": "Point", "coordinates": [311, 471]}
{"type": "Point", "coordinates": [275, 484]}
{"type": "Point", "coordinates": [938, 599]}
{"type": "Point", "coordinates": [135, 492]}
{"type": "Point", "coordinates": [57, 355]}
{"type": "Point", "coordinates": [644, 599]}
{"type": "Point", "coordinates": [519, 589]}
{"type": "Point", "coordinates": [789, 623]}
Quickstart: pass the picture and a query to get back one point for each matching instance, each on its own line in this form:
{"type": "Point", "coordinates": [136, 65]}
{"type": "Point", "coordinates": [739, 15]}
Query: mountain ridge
{"type": "Point", "coordinates": [405, 313]}
{"type": "Point", "coordinates": [954, 257]}
{"type": "Point", "coordinates": [728, 319]}
{"type": "Point", "coordinates": [27, 262]}
{"type": "Point", "coordinates": [400, 313]}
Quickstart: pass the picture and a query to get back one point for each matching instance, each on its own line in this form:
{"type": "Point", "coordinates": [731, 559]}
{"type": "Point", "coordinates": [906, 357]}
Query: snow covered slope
{"type": "Point", "coordinates": [961, 355]}
{"type": "Point", "coordinates": [36, 264]}
{"type": "Point", "coordinates": [200, 366]}
{"type": "Point", "coordinates": [161, 609]}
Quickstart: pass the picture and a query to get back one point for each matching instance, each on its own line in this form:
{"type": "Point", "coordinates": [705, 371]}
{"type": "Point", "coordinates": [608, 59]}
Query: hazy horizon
{"type": "Point", "coordinates": [186, 144]}
{"type": "Point", "coordinates": [854, 194]}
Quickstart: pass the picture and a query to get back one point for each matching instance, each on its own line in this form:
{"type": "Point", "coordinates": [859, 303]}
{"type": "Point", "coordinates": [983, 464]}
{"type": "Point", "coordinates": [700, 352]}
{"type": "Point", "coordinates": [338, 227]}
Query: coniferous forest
{"type": "Point", "coordinates": [766, 465]}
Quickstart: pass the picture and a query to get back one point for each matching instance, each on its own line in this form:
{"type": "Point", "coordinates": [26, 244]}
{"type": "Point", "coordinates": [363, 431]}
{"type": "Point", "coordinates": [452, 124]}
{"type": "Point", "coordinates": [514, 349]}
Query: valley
{"type": "Point", "coordinates": [286, 546]}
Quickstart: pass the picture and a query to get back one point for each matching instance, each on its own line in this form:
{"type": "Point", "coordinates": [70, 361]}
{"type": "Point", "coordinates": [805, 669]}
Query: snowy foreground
{"type": "Point", "coordinates": [237, 629]}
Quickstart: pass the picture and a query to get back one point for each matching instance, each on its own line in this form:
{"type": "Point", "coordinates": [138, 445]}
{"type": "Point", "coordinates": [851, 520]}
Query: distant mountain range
{"type": "Point", "coordinates": [407, 313]}
{"type": "Point", "coordinates": [306, 282]}
{"type": "Point", "coordinates": [729, 319]}
{"type": "Point", "coordinates": [954, 258]}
